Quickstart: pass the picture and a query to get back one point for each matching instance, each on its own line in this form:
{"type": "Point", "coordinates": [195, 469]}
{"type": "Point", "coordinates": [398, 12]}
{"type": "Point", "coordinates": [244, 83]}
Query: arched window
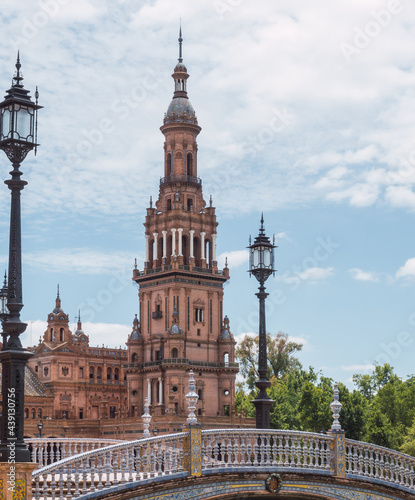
{"type": "Point", "coordinates": [200, 394]}
{"type": "Point", "coordinates": [189, 164]}
{"type": "Point", "coordinates": [46, 371]}
{"type": "Point", "coordinates": [91, 372]}
{"type": "Point", "coordinates": [168, 164]}
{"type": "Point", "coordinates": [185, 251]}
{"type": "Point", "coordinates": [39, 413]}
{"type": "Point", "coordinates": [99, 372]}
{"type": "Point", "coordinates": [51, 335]}
{"type": "Point", "coordinates": [33, 413]}
{"type": "Point", "coordinates": [26, 413]}
{"type": "Point", "coordinates": [61, 335]}
{"type": "Point", "coordinates": [134, 358]}
{"type": "Point", "coordinates": [109, 373]}
{"type": "Point", "coordinates": [226, 358]}
{"type": "Point", "coordinates": [207, 253]}
{"type": "Point", "coordinates": [196, 251]}
{"type": "Point", "coordinates": [174, 353]}
{"type": "Point", "coordinates": [116, 374]}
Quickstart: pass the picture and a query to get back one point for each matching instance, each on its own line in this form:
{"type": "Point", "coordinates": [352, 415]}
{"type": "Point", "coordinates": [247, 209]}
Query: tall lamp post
{"type": "Point", "coordinates": [18, 135]}
{"type": "Point", "coordinates": [261, 265]}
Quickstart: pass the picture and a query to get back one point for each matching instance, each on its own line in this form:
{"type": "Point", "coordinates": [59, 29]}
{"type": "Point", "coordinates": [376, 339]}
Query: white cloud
{"type": "Point", "coordinates": [235, 258]}
{"type": "Point", "coordinates": [360, 275]}
{"type": "Point", "coordinates": [312, 275]}
{"type": "Point", "coordinates": [407, 270]}
{"type": "Point", "coordinates": [282, 236]}
{"type": "Point", "coordinates": [79, 260]}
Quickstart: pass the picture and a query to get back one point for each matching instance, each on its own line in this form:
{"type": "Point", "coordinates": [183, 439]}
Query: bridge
{"type": "Point", "coordinates": [229, 464]}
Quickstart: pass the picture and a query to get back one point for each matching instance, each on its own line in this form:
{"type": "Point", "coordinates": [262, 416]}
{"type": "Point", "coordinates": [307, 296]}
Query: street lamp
{"type": "Point", "coordinates": [40, 427]}
{"type": "Point", "coordinates": [261, 265]}
{"type": "Point", "coordinates": [4, 312]}
{"type": "Point", "coordinates": [18, 135]}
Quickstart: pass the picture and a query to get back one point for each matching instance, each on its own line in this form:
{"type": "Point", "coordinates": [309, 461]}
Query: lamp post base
{"type": "Point", "coordinates": [262, 412]}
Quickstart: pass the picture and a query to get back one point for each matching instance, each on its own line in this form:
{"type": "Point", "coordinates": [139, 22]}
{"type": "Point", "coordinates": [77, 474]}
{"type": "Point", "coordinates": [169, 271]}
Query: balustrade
{"type": "Point", "coordinates": [233, 450]}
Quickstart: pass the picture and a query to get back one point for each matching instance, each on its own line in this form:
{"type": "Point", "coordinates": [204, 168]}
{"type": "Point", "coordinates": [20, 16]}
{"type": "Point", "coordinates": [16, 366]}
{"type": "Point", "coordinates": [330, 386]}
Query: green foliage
{"type": "Point", "coordinates": [281, 359]}
{"type": "Point", "coordinates": [381, 410]}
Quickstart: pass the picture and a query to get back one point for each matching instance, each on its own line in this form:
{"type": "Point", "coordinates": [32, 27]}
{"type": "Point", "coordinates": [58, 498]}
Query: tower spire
{"type": "Point", "coordinates": [180, 43]}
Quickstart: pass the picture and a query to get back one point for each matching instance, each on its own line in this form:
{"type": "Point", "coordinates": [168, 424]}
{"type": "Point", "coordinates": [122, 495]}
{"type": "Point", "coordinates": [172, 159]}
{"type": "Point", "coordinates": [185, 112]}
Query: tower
{"type": "Point", "coordinates": [181, 287]}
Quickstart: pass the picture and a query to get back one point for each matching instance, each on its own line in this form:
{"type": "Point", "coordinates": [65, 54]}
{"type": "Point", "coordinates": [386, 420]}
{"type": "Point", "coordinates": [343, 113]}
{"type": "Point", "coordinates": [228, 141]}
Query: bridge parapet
{"type": "Point", "coordinates": [163, 458]}
{"type": "Point", "coordinates": [45, 451]}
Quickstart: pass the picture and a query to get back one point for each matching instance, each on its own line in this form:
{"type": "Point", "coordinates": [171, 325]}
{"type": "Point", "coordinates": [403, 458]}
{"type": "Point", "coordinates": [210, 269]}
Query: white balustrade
{"type": "Point", "coordinates": [254, 448]}
{"type": "Point", "coordinates": [46, 451]}
{"type": "Point", "coordinates": [381, 464]}
{"type": "Point", "coordinates": [236, 450]}
{"type": "Point", "coordinates": [102, 468]}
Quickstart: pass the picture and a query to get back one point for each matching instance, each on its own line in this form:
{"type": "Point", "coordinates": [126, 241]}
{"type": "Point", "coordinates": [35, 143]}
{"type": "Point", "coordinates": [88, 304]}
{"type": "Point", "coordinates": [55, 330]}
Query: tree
{"type": "Point", "coordinates": [281, 359]}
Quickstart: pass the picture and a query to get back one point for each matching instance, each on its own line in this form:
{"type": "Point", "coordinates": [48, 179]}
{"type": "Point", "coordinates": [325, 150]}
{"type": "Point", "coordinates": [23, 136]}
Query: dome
{"type": "Point", "coordinates": [135, 335]}
{"type": "Point", "coordinates": [226, 334]}
{"type": "Point", "coordinates": [175, 330]}
{"type": "Point", "coordinates": [181, 110]}
{"type": "Point", "coordinates": [58, 310]}
{"type": "Point", "coordinates": [180, 67]}
{"type": "Point", "coordinates": [79, 332]}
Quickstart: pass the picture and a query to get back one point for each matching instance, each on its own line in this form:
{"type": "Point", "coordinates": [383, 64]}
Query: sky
{"type": "Point", "coordinates": [307, 112]}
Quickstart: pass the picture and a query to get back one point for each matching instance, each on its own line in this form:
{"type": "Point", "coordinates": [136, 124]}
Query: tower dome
{"type": "Point", "coordinates": [180, 109]}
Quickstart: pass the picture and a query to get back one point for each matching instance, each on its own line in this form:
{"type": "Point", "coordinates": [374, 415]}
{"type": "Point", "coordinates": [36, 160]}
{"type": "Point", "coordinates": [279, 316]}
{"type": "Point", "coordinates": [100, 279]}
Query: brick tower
{"type": "Point", "coordinates": [181, 323]}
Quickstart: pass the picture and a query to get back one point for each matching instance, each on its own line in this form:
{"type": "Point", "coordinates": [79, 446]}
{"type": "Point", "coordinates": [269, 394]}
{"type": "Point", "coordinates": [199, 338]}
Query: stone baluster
{"type": "Point", "coordinates": [76, 480]}
{"type": "Point", "coordinates": [100, 471]}
{"type": "Point", "coordinates": [53, 485]}
{"type": "Point", "coordinates": [61, 484]}
{"type": "Point", "coordinates": [85, 475]}
{"type": "Point", "coordinates": [69, 483]}
{"type": "Point", "coordinates": [229, 450]}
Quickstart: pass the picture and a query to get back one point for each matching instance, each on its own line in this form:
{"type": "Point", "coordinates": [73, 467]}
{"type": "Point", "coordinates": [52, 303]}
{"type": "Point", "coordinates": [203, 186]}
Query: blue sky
{"type": "Point", "coordinates": [307, 113]}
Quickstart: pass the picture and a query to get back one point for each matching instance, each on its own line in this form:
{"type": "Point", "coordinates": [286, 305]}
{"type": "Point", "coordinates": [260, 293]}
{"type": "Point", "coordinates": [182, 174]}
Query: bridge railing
{"type": "Point", "coordinates": [109, 466]}
{"type": "Point", "coordinates": [364, 460]}
{"type": "Point", "coordinates": [230, 450]}
{"type": "Point", "coordinates": [246, 448]}
{"type": "Point", "coordinates": [45, 451]}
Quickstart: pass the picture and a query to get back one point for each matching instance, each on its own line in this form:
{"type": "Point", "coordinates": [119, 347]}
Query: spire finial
{"type": "Point", "coordinates": [18, 78]}
{"type": "Point", "coordinates": [180, 43]}
{"type": "Point", "coordinates": [151, 202]}
{"type": "Point", "coordinates": [79, 315]}
{"type": "Point", "coordinates": [262, 229]}
{"type": "Point", "coordinates": [5, 279]}
{"type": "Point", "coordinates": [57, 296]}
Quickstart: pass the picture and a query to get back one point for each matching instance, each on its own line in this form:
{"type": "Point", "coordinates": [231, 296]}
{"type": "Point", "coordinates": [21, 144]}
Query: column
{"type": "Point", "coordinates": [202, 245]}
{"type": "Point", "coordinates": [191, 233]}
{"type": "Point", "coordinates": [160, 391]}
{"type": "Point", "coordinates": [147, 247]}
{"type": "Point", "coordinates": [173, 241]}
{"type": "Point", "coordinates": [155, 257]}
{"type": "Point", "coordinates": [180, 231]}
{"type": "Point", "coordinates": [164, 233]}
{"type": "Point", "coordinates": [149, 390]}
{"type": "Point", "coordinates": [214, 247]}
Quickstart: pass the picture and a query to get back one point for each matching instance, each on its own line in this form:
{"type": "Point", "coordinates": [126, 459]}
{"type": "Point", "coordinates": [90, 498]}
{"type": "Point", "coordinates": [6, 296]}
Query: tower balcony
{"type": "Point", "coordinates": [187, 179]}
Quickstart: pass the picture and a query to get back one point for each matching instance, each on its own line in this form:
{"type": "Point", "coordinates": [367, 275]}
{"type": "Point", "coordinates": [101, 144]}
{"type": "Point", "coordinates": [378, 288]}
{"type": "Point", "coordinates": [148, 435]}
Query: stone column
{"type": "Point", "coordinates": [173, 241]}
{"type": "Point", "coordinates": [160, 391]}
{"type": "Point", "coordinates": [164, 233]}
{"type": "Point", "coordinates": [180, 231]}
{"type": "Point", "coordinates": [149, 390]}
{"type": "Point", "coordinates": [202, 245]}
{"type": "Point", "coordinates": [191, 233]}
{"type": "Point", "coordinates": [214, 247]}
{"type": "Point", "coordinates": [155, 256]}
{"type": "Point", "coordinates": [147, 247]}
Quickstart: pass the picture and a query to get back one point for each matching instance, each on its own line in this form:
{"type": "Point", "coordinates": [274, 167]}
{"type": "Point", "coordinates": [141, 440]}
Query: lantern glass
{"type": "Point", "coordinates": [23, 123]}
{"type": "Point", "coordinates": [5, 123]}
{"type": "Point", "coordinates": [267, 253]}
